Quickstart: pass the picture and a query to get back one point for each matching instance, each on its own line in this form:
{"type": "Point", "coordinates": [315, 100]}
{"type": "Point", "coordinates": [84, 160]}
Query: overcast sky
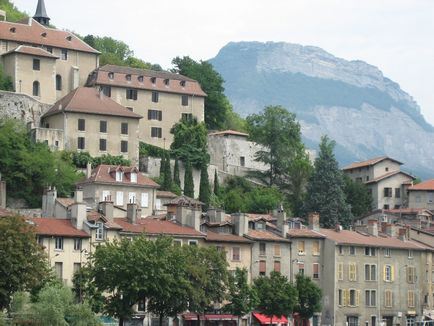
{"type": "Point", "coordinates": [395, 35]}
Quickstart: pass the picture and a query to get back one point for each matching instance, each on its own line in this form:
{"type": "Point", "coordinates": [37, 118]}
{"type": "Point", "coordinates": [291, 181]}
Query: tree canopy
{"type": "Point", "coordinates": [12, 12]}
{"type": "Point", "coordinates": [358, 196]}
{"type": "Point", "coordinates": [309, 296]}
{"type": "Point", "coordinates": [5, 81]}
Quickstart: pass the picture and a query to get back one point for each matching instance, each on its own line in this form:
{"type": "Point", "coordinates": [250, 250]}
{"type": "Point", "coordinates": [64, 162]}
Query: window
{"type": "Point", "coordinates": [370, 298]}
{"type": "Point", "coordinates": [300, 247]}
{"type": "Point", "coordinates": [158, 203]}
{"type": "Point", "coordinates": [36, 91]}
{"type": "Point", "coordinates": [81, 143]}
{"type": "Point", "coordinates": [130, 108]}
{"type": "Point", "coordinates": [182, 83]}
{"type": "Point", "coordinates": [370, 272]}
{"type": "Point", "coordinates": [145, 199]}
{"type": "Point", "coordinates": [124, 146]}
{"type": "Point", "coordinates": [388, 298]}
{"type": "Point", "coordinates": [301, 268]}
{"type": "Point", "coordinates": [58, 83]}
{"type": "Point", "coordinates": [340, 271]}
{"type": "Point", "coordinates": [119, 176]}
{"type": "Point", "coordinates": [111, 75]}
{"type": "Point", "coordinates": [410, 299]}
{"type": "Point", "coordinates": [128, 77]}
{"type": "Point", "coordinates": [192, 242]}
{"type": "Point", "coordinates": [242, 161]}
{"type": "Point", "coordinates": [36, 64]}
{"type": "Point", "coordinates": [141, 305]}
{"type": "Point", "coordinates": [184, 100]}
{"type": "Point", "coordinates": [315, 248]}
{"type": "Point", "coordinates": [277, 250]}
{"type": "Point", "coordinates": [397, 192]}
{"type": "Point", "coordinates": [353, 321]}
{"type": "Point", "coordinates": [156, 132]}
{"type": "Point", "coordinates": [388, 273]}
{"type": "Point", "coordinates": [77, 244]}
{"type": "Point", "coordinates": [166, 82]}
{"type": "Point", "coordinates": [340, 297]}
{"type": "Point", "coordinates": [387, 252]}
{"type": "Point", "coordinates": [131, 94]}
{"type": "Point", "coordinates": [107, 91]}
{"type": "Point", "coordinates": [124, 128]}
{"type": "Point", "coordinates": [132, 197]}
{"type": "Point", "coordinates": [49, 49]}
{"type": "Point", "coordinates": [177, 242]}
{"type": "Point", "coordinates": [103, 126]}
{"type": "Point", "coordinates": [106, 195]}
{"type": "Point", "coordinates": [81, 124]}
{"type": "Point", "coordinates": [119, 198]}
{"type": "Point", "coordinates": [387, 192]}
{"type": "Point", "coordinates": [140, 79]}
{"type": "Point", "coordinates": [410, 253]}
{"type": "Point", "coordinates": [133, 177]}
{"type": "Point", "coordinates": [386, 206]}
{"type": "Point", "coordinates": [153, 80]}
{"type": "Point", "coordinates": [352, 272]}
{"type": "Point", "coordinates": [187, 116]}
{"type": "Point", "coordinates": [340, 250]}
{"type": "Point", "coordinates": [155, 115]}
{"type": "Point", "coordinates": [352, 250]}
{"type": "Point", "coordinates": [58, 267]}
{"type": "Point", "coordinates": [103, 145]}
{"type": "Point", "coordinates": [64, 54]}
{"type": "Point", "coordinates": [277, 266]}
{"type": "Point", "coordinates": [370, 251]}
{"type": "Point", "coordinates": [236, 254]}
{"type": "Point", "coordinates": [155, 97]}
{"type": "Point", "coordinates": [411, 321]}
{"type": "Point", "coordinates": [262, 267]}
{"type": "Point", "coordinates": [99, 232]}
{"type": "Point", "coordinates": [354, 297]}
{"type": "Point", "coordinates": [262, 248]}
{"type": "Point", "coordinates": [315, 273]}
{"type": "Point", "coordinates": [58, 243]}
{"type": "Point", "coordinates": [411, 274]}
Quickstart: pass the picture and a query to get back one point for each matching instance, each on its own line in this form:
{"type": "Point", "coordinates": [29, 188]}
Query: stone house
{"type": "Point", "coordinates": [162, 98]}
{"type": "Point", "coordinates": [421, 195]}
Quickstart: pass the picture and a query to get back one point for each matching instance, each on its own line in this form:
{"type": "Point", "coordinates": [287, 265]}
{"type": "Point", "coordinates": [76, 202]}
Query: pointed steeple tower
{"type": "Point", "coordinates": [41, 14]}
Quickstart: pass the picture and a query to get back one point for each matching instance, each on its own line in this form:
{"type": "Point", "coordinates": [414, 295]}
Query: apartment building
{"type": "Point", "coordinates": [421, 195]}
{"type": "Point", "coordinates": [384, 179]}
{"type": "Point", "coordinates": [44, 62]}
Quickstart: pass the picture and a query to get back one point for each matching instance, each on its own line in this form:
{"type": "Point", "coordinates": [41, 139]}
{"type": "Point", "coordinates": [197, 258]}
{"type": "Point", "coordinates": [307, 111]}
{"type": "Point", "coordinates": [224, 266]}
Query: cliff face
{"type": "Point", "coordinates": [366, 113]}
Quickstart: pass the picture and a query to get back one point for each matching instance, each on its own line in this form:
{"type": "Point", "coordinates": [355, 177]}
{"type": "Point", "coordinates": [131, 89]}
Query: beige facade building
{"type": "Point", "coordinates": [93, 123]}
{"type": "Point", "coordinates": [421, 195]}
{"type": "Point", "coordinates": [44, 62]}
{"type": "Point", "coordinates": [384, 179]}
{"type": "Point", "coordinates": [162, 98]}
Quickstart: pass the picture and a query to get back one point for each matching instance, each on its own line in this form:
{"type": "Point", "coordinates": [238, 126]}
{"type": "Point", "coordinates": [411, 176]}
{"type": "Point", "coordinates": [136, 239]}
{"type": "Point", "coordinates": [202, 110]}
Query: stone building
{"type": "Point", "coordinates": [421, 195]}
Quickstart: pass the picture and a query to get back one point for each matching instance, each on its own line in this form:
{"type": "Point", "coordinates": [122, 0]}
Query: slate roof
{"type": "Point", "coordinates": [423, 186]}
{"type": "Point", "coordinates": [89, 100]}
{"type": "Point", "coordinates": [370, 162]}
{"type": "Point", "coordinates": [30, 50]}
{"type": "Point", "coordinates": [57, 227]}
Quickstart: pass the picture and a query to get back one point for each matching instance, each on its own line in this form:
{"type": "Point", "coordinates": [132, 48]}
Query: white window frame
{"type": "Point", "coordinates": [77, 244]}
{"type": "Point", "coordinates": [133, 177]}
{"type": "Point", "coordinates": [368, 298]}
{"type": "Point", "coordinates": [132, 198]}
{"type": "Point", "coordinates": [370, 277]}
{"type": "Point", "coordinates": [119, 198]}
{"type": "Point", "coordinates": [105, 196]}
{"type": "Point", "coordinates": [192, 242]}
{"type": "Point", "coordinates": [158, 204]}
{"type": "Point", "coordinates": [119, 176]}
{"type": "Point", "coordinates": [144, 202]}
{"type": "Point", "coordinates": [58, 243]}
{"type": "Point", "coordinates": [99, 231]}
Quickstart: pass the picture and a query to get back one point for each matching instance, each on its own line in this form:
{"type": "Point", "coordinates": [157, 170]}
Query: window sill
{"type": "Point", "coordinates": [302, 254]}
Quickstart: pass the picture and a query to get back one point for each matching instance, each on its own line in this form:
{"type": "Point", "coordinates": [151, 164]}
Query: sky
{"type": "Point", "coordinates": [397, 36]}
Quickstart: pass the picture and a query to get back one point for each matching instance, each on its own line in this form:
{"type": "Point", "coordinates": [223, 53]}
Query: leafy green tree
{"type": "Point", "coordinates": [325, 191]}
{"type": "Point", "coordinates": [204, 187]}
{"type": "Point", "coordinates": [176, 179]}
{"type": "Point", "coordinates": [188, 180]}
{"type": "Point", "coordinates": [309, 297]}
{"type": "Point", "coordinates": [24, 263]}
{"type": "Point", "coordinates": [234, 202]}
{"type": "Point", "coordinates": [6, 83]}
{"type": "Point", "coordinates": [241, 296]}
{"type": "Point", "coordinates": [276, 295]}
{"type": "Point", "coordinates": [358, 196]}
{"type": "Point", "coordinates": [216, 184]}
{"type": "Point", "coordinates": [167, 175]}
{"type": "Point", "coordinates": [218, 110]}
{"type": "Point", "coordinates": [12, 12]}
{"type": "Point", "coordinates": [263, 200]}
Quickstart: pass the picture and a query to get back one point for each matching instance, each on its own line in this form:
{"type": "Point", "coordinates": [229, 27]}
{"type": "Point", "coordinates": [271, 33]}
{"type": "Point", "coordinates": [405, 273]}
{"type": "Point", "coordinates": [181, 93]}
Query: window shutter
{"type": "Point", "coordinates": [392, 273]}
{"type": "Point", "coordinates": [262, 266]}
{"type": "Point", "coordinates": [357, 297]}
{"type": "Point", "coordinates": [346, 294]}
{"type": "Point", "coordinates": [384, 273]}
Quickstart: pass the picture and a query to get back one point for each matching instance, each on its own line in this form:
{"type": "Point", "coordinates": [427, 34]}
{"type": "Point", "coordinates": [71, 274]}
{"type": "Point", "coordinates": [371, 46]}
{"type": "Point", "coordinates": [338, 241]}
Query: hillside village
{"type": "Point", "coordinates": [372, 267]}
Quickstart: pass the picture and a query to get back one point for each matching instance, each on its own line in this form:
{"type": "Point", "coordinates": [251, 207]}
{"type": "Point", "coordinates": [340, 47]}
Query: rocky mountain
{"type": "Point", "coordinates": [366, 113]}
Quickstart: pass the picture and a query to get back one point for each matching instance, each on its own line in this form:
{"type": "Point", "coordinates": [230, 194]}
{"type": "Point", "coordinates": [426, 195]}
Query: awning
{"type": "Point", "coordinates": [191, 316]}
{"type": "Point", "coordinates": [265, 320]}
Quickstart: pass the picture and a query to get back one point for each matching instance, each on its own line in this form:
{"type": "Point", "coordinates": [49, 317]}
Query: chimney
{"type": "Point", "coordinates": [212, 214]}
{"type": "Point", "coordinates": [78, 195]}
{"type": "Point", "coordinates": [220, 215]}
{"type": "Point", "coordinates": [280, 216]}
{"type": "Point", "coordinates": [373, 227]}
{"type": "Point", "coordinates": [78, 210]}
{"type": "Point", "coordinates": [181, 214]}
{"type": "Point", "coordinates": [338, 227]}
{"type": "Point", "coordinates": [313, 220]}
{"type": "Point", "coordinates": [241, 223]}
{"type": "Point", "coordinates": [88, 170]}
{"type": "Point", "coordinates": [107, 209]}
{"type": "Point", "coordinates": [48, 202]}
{"type": "Point", "coordinates": [390, 230]}
{"type": "Point", "coordinates": [402, 234]}
{"type": "Point", "coordinates": [194, 220]}
{"type": "Point", "coordinates": [132, 213]}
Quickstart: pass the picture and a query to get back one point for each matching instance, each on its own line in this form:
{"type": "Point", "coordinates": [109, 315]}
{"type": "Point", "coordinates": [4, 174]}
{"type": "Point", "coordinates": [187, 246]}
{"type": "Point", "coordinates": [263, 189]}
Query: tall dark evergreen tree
{"type": "Point", "coordinates": [176, 179]}
{"type": "Point", "coordinates": [204, 187]}
{"type": "Point", "coordinates": [188, 180]}
{"type": "Point", "coordinates": [325, 191]}
{"type": "Point", "coordinates": [216, 184]}
{"type": "Point", "coordinates": [167, 175]}
{"type": "Point", "coordinates": [162, 166]}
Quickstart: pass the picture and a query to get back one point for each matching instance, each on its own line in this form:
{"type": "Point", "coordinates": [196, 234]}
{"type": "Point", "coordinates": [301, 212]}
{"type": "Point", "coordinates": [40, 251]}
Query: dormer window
{"type": "Point", "coordinates": [69, 38]}
{"type": "Point", "coordinates": [153, 80]}
{"type": "Point", "coordinates": [128, 77]}
{"type": "Point", "coordinates": [182, 83]}
{"type": "Point", "coordinates": [166, 82]}
{"type": "Point", "coordinates": [111, 75]}
{"type": "Point", "coordinates": [119, 175]}
{"type": "Point", "coordinates": [12, 29]}
{"type": "Point", "coordinates": [140, 79]}
{"type": "Point", "coordinates": [44, 34]}
{"type": "Point", "coordinates": [133, 177]}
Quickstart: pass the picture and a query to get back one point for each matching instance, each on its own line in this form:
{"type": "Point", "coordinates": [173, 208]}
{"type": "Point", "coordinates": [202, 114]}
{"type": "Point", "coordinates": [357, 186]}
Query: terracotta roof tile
{"type": "Point", "coordinates": [184, 201]}
{"type": "Point", "coordinates": [57, 227]}
{"type": "Point", "coordinates": [37, 34]}
{"type": "Point", "coordinates": [105, 174]}
{"type": "Point", "coordinates": [228, 132]}
{"type": "Point", "coordinates": [370, 162]}
{"type": "Point", "coordinates": [5, 213]}
{"type": "Point", "coordinates": [100, 76]}
{"type": "Point", "coordinates": [426, 185]}
{"type": "Point", "coordinates": [257, 217]}
{"type": "Point", "coordinates": [30, 50]}
{"type": "Point", "coordinates": [225, 237]}
{"type": "Point", "coordinates": [90, 100]}
{"type": "Point", "coordinates": [65, 202]}
{"type": "Point", "coordinates": [388, 175]}
{"type": "Point", "coordinates": [166, 194]}
{"type": "Point", "coordinates": [304, 233]}
{"type": "Point", "coordinates": [264, 235]}
{"type": "Point", "coordinates": [410, 211]}
{"type": "Point", "coordinates": [157, 227]}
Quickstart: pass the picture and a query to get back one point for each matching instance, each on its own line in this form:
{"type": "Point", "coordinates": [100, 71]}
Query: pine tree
{"type": "Point", "coordinates": [167, 175]}
{"type": "Point", "coordinates": [216, 184]}
{"type": "Point", "coordinates": [188, 180]}
{"type": "Point", "coordinates": [204, 188]}
{"type": "Point", "coordinates": [325, 191]}
{"type": "Point", "coordinates": [176, 178]}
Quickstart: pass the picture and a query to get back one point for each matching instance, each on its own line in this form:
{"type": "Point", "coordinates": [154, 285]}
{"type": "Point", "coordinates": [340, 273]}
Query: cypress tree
{"type": "Point", "coordinates": [204, 188]}
{"type": "Point", "coordinates": [188, 180]}
{"type": "Point", "coordinates": [216, 184]}
{"type": "Point", "coordinates": [325, 191]}
{"type": "Point", "coordinates": [162, 165]}
{"type": "Point", "coordinates": [176, 178]}
{"type": "Point", "coordinates": [167, 175]}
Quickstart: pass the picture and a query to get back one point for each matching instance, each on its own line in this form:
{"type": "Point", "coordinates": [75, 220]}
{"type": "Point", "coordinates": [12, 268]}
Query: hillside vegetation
{"type": "Point", "coordinates": [12, 12]}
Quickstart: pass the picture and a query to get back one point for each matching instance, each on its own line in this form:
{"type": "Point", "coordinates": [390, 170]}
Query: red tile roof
{"type": "Point", "coordinates": [225, 237]}
{"type": "Point", "coordinates": [388, 175]}
{"type": "Point", "coordinates": [370, 162]}
{"type": "Point", "coordinates": [57, 227]}
{"type": "Point", "coordinates": [105, 174]}
{"type": "Point", "coordinates": [36, 34]}
{"type": "Point", "coordinates": [30, 50]}
{"type": "Point", "coordinates": [257, 217]}
{"type": "Point", "coordinates": [166, 194]}
{"type": "Point", "coordinates": [265, 235]}
{"type": "Point", "coordinates": [5, 213]}
{"type": "Point", "coordinates": [65, 202]}
{"type": "Point", "coordinates": [90, 100]}
{"type": "Point", "coordinates": [304, 233]}
{"type": "Point", "coordinates": [425, 185]}
{"type": "Point", "coordinates": [157, 227]}
{"type": "Point", "coordinates": [228, 133]}
{"type": "Point", "coordinates": [412, 211]}
{"type": "Point", "coordinates": [100, 76]}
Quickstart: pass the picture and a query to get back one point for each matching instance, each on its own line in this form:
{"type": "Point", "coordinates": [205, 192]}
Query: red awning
{"type": "Point", "coordinates": [265, 320]}
{"type": "Point", "coordinates": [191, 316]}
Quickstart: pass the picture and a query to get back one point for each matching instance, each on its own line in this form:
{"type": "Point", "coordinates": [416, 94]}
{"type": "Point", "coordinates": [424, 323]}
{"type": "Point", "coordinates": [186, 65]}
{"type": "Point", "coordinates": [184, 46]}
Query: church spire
{"type": "Point", "coordinates": [41, 14]}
